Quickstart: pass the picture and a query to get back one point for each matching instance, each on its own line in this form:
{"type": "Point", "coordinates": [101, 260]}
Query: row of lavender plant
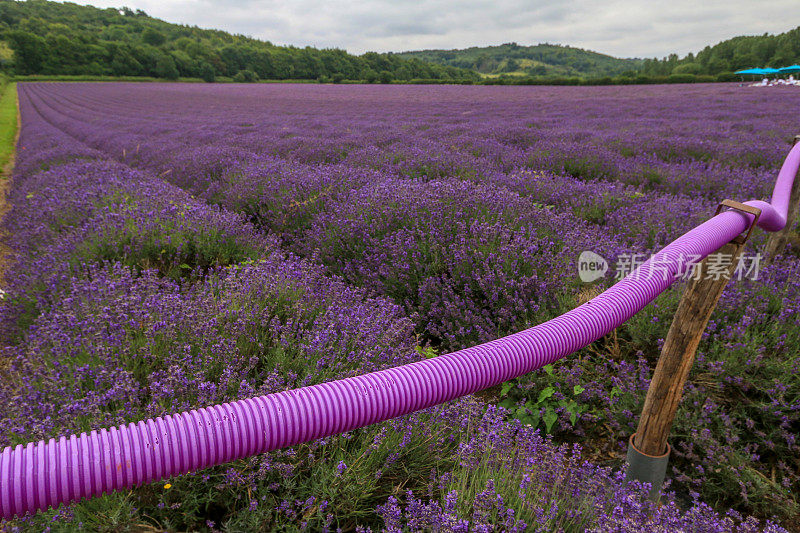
{"type": "Point", "coordinates": [129, 298]}
{"type": "Point", "coordinates": [468, 206]}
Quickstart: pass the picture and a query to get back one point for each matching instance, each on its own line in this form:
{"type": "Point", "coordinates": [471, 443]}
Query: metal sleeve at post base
{"type": "Point", "coordinates": [647, 468]}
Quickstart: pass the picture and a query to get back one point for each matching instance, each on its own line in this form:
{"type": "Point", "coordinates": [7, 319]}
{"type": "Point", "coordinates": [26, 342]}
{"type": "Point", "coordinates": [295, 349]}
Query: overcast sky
{"type": "Point", "coordinates": [624, 28]}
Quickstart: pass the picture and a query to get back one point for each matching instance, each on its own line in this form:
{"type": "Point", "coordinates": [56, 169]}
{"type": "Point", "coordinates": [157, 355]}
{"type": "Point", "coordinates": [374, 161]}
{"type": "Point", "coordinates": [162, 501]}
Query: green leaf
{"type": "Point", "coordinates": [506, 388]}
{"type": "Point", "coordinates": [548, 369]}
{"type": "Point", "coordinates": [427, 352]}
{"type": "Point", "coordinates": [545, 394]}
{"type": "Point", "coordinates": [549, 418]}
{"type": "Point", "coordinates": [528, 419]}
{"type": "Point", "coordinates": [577, 389]}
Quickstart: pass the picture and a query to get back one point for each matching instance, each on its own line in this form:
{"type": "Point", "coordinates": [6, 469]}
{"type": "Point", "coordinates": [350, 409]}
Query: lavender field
{"type": "Point", "coordinates": [185, 245]}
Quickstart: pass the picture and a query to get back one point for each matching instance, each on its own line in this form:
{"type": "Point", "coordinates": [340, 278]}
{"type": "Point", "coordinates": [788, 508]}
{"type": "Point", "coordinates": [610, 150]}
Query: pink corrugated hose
{"type": "Point", "coordinates": [44, 474]}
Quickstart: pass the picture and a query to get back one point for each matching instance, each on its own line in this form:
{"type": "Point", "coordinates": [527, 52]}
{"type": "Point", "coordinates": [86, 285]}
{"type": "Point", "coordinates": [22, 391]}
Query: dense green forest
{"type": "Point", "coordinates": [734, 54]}
{"type": "Point", "coordinates": [541, 60]}
{"type": "Point", "coordinates": [42, 37]}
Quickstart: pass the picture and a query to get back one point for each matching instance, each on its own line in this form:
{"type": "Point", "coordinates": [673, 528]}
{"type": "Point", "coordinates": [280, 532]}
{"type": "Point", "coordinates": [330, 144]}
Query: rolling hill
{"type": "Point", "coordinates": [541, 60]}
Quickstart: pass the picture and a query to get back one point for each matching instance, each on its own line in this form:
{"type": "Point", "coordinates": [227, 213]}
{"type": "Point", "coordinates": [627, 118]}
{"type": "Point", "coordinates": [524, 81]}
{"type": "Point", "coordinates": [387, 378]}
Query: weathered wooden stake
{"type": "Point", "coordinates": [648, 450]}
{"type": "Point", "coordinates": [677, 355]}
{"type": "Point", "coordinates": [777, 241]}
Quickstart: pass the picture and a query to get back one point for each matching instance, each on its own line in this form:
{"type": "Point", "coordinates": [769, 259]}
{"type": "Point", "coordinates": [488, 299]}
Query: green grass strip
{"type": "Point", "coordinates": [8, 124]}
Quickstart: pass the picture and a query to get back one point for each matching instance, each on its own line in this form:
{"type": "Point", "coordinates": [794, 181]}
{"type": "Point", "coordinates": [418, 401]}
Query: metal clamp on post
{"type": "Point", "coordinates": [744, 208]}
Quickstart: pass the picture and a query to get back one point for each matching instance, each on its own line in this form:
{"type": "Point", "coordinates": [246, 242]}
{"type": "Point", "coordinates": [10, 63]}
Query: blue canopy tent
{"type": "Point", "coordinates": [767, 71]}
{"type": "Point", "coordinates": [751, 72]}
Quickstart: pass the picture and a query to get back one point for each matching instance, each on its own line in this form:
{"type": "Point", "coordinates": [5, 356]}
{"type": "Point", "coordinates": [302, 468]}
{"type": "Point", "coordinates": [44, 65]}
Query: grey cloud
{"type": "Point", "coordinates": [625, 28]}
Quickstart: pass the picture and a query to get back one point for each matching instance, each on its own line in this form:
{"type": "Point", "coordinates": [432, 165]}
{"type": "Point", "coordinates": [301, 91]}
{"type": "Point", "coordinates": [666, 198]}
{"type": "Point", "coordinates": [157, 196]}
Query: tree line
{"type": "Point", "coordinates": [50, 38]}
{"type": "Point", "coordinates": [731, 55]}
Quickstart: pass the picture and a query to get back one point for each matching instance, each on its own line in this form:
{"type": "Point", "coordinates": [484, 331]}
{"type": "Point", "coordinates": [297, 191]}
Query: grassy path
{"type": "Point", "coordinates": [9, 128]}
{"type": "Point", "coordinates": [8, 125]}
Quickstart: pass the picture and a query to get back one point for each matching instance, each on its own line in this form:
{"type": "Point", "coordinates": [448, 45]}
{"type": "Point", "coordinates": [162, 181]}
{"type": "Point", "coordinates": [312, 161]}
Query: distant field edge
{"type": "Point", "coordinates": [505, 79]}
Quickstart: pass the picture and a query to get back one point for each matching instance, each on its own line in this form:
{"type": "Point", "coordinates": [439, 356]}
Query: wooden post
{"type": "Point", "coordinates": [677, 355]}
{"type": "Point", "coordinates": [777, 241]}
{"type": "Point", "coordinates": [648, 449]}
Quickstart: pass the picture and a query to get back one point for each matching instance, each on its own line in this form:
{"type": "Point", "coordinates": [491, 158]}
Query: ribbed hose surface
{"type": "Point", "coordinates": [48, 473]}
